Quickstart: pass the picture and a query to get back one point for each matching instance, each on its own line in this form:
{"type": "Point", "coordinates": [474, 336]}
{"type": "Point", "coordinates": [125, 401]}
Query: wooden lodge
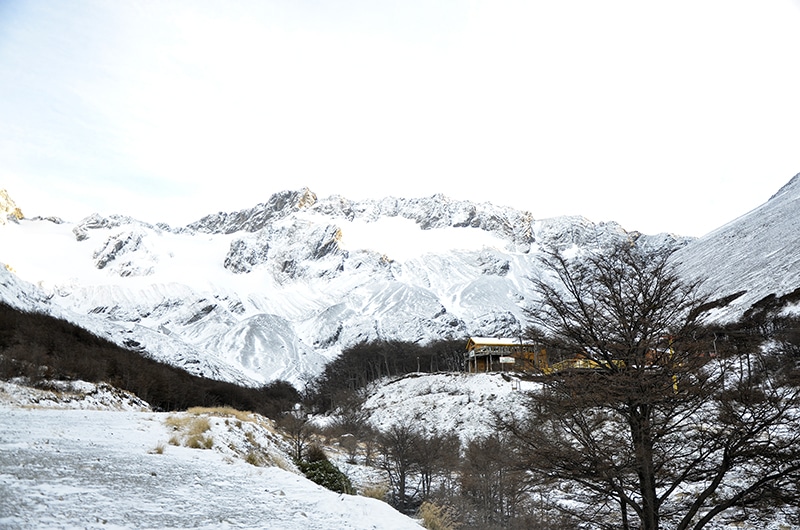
{"type": "Point", "coordinates": [504, 355]}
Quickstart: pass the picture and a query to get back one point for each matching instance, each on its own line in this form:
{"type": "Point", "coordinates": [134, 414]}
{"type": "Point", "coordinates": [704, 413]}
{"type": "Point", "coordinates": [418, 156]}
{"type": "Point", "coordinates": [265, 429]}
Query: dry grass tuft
{"type": "Point", "coordinates": [190, 431]}
{"type": "Point", "coordinates": [241, 415]}
{"type": "Point", "coordinates": [251, 438]}
{"type": "Point", "coordinates": [198, 426]}
{"type": "Point", "coordinates": [199, 441]}
{"type": "Point", "coordinates": [257, 458]}
{"type": "Point", "coordinates": [377, 491]}
{"type": "Point", "coordinates": [435, 517]}
{"type": "Point", "coordinates": [178, 423]}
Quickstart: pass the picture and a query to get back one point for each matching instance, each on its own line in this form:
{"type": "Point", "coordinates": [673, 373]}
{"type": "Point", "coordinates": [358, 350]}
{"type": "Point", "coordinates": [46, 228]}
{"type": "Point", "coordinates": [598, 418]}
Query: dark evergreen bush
{"type": "Point", "coordinates": [326, 474]}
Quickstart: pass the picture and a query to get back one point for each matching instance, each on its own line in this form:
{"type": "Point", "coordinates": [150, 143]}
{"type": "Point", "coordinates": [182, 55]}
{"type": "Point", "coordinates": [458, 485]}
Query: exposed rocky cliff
{"type": "Point", "coordinates": [8, 208]}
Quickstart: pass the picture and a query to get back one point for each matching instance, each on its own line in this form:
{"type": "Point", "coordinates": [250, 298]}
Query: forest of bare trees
{"type": "Point", "coordinates": [363, 363]}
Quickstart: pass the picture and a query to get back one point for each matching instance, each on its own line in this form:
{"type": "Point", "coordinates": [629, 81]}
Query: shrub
{"type": "Point", "coordinates": [256, 458]}
{"type": "Point", "coordinates": [435, 517]}
{"type": "Point", "coordinates": [326, 474]}
{"type": "Point", "coordinates": [315, 453]}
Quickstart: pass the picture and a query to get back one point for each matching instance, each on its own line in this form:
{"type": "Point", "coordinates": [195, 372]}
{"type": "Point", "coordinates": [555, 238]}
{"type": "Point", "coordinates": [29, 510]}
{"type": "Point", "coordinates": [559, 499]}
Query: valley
{"type": "Point", "coordinates": [345, 323]}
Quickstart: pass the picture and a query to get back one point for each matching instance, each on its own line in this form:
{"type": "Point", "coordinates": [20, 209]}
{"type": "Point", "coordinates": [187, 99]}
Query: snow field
{"type": "Point", "coordinates": [79, 468]}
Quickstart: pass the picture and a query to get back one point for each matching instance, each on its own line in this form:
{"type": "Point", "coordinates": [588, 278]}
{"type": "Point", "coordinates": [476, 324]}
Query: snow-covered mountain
{"type": "Point", "coordinates": [277, 290]}
{"type": "Point", "coordinates": [753, 260]}
{"type": "Point", "coordinates": [25, 296]}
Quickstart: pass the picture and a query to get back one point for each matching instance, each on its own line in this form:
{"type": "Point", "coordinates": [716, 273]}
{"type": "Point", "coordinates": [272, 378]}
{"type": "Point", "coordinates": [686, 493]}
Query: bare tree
{"type": "Point", "coordinates": [297, 428]}
{"type": "Point", "coordinates": [652, 431]}
{"type": "Point", "coordinates": [436, 456]}
{"type": "Point", "coordinates": [354, 431]}
{"type": "Point", "coordinates": [491, 482]}
{"type": "Point", "coordinates": [398, 457]}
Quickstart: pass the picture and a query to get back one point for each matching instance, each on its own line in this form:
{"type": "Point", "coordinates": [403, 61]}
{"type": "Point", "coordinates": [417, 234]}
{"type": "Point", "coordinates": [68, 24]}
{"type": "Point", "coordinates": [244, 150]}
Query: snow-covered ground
{"type": "Point", "coordinates": [448, 403]}
{"type": "Point", "coordinates": [115, 465]}
{"type": "Point", "coordinates": [92, 456]}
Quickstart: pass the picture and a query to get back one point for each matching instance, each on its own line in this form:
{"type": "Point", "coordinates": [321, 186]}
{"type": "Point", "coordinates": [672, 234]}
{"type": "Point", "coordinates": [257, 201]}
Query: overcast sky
{"type": "Point", "coordinates": [666, 116]}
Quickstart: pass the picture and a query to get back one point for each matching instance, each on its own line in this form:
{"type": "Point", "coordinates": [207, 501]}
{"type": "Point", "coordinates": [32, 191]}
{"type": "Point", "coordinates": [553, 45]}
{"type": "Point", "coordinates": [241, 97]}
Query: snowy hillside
{"type": "Point", "coordinates": [28, 297]}
{"type": "Point", "coordinates": [275, 291]}
{"type": "Point", "coordinates": [102, 461]}
{"type": "Point", "coordinates": [755, 256]}
{"type": "Point", "coordinates": [443, 404]}
{"type": "Point", "coordinates": [467, 405]}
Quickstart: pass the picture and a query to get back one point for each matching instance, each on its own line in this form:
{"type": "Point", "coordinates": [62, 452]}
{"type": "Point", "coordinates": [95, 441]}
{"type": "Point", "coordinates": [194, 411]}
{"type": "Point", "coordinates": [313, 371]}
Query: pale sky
{"type": "Point", "coordinates": [665, 116]}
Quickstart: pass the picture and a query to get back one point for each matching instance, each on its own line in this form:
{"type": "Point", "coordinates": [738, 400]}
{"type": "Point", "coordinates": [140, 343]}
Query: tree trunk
{"type": "Point", "coordinates": [623, 508]}
{"type": "Point", "coordinates": [641, 436]}
{"type": "Point", "coordinates": [401, 489]}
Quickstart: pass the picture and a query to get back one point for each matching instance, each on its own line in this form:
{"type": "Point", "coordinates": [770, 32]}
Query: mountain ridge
{"type": "Point", "coordinates": [279, 289]}
{"type": "Point", "coordinates": [755, 253]}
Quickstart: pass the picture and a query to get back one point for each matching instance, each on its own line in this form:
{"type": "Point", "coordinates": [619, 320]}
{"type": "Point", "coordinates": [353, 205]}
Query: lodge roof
{"type": "Point", "coordinates": [491, 341]}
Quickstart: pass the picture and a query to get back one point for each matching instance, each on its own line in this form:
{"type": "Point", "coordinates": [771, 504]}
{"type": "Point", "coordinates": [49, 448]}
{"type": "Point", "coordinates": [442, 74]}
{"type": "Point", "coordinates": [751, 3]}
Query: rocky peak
{"type": "Point", "coordinates": [279, 206]}
{"type": "Point", "coordinates": [437, 211]}
{"type": "Point", "coordinates": [8, 208]}
{"type": "Point", "coordinates": [96, 221]}
{"type": "Point", "coordinates": [517, 227]}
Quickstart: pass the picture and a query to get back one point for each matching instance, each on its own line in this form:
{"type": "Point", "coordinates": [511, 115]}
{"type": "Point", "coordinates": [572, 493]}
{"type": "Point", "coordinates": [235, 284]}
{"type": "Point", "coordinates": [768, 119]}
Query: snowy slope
{"type": "Point", "coordinates": [446, 404]}
{"type": "Point", "coordinates": [99, 468]}
{"type": "Point", "coordinates": [757, 254]}
{"type": "Point", "coordinates": [28, 297]}
{"type": "Point", "coordinates": [277, 290]}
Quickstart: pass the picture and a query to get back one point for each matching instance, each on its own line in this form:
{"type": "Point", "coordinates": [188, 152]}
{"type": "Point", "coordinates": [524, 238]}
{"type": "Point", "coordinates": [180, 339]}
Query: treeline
{"type": "Point", "coordinates": [471, 485]}
{"type": "Point", "coordinates": [475, 486]}
{"type": "Point", "coordinates": [364, 363]}
{"type": "Point", "coordinates": [40, 347]}
{"type": "Point", "coordinates": [769, 322]}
